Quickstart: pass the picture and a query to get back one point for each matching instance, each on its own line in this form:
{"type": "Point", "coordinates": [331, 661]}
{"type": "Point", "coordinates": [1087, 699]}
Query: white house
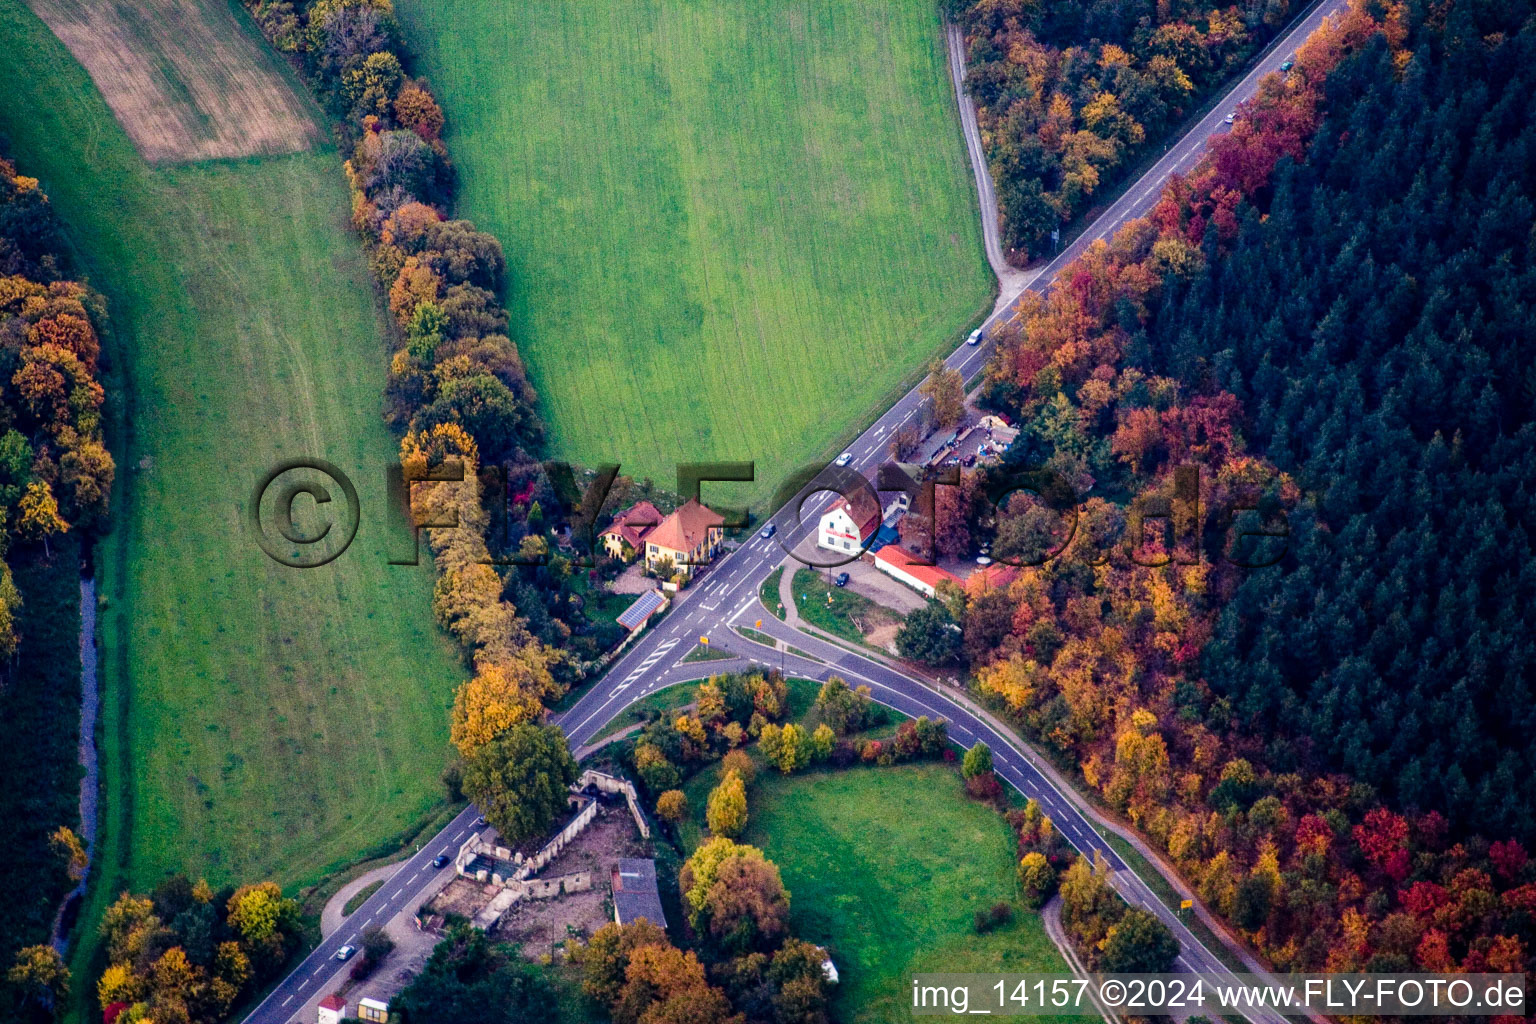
{"type": "Point", "coordinates": [332, 1008]}
{"type": "Point", "coordinates": [847, 525]}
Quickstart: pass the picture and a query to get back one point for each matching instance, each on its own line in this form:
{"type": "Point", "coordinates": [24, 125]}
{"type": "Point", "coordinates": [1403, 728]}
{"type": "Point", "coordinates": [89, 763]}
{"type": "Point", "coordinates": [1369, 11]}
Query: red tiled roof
{"type": "Point", "coordinates": [907, 563]}
{"type": "Point", "coordinates": [996, 575]}
{"type": "Point", "coordinates": [333, 1002]}
{"type": "Point", "coordinates": [863, 508]}
{"type": "Point", "coordinates": [686, 528]}
{"type": "Point", "coordinates": [634, 524]}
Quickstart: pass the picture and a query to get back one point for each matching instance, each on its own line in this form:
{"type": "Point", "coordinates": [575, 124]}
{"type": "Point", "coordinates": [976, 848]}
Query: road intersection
{"type": "Point", "coordinates": [726, 594]}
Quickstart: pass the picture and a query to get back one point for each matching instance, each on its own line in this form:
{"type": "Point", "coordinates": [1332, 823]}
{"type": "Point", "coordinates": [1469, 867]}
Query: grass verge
{"type": "Point", "coordinates": [768, 593]}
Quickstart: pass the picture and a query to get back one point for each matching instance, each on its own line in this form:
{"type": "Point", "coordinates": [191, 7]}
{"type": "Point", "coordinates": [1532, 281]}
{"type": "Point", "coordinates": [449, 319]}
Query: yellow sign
{"type": "Point", "coordinates": [1186, 904]}
{"type": "Point", "coordinates": [704, 640]}
{"type": "Point", "coordinates": [758, 624]}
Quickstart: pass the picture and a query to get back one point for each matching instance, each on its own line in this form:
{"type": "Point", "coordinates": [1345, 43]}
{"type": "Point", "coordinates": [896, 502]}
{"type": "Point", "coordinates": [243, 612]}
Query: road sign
{"type": "Point", "coordinates": [758, 624]}
{"type": "Point", "coordinates": [704, 640]}
{"type": "Point", "coordinates": [1186, 904]}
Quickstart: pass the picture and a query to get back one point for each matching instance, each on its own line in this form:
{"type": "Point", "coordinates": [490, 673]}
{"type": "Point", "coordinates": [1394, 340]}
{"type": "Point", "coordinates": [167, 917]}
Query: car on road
{"type": "Point", "coordinates": [1287, 65]}
{"type": "Point", "coordinates": [480, 822]}
{"type": "Point", "coordinates": [841, 580]}
{"type": "Point", "coordinates": [344, 953]}
{"type": "Point", "coordinates": [440, 861]}
{"type": "Point", "coordinates": [975, 338]}
{"type": "Point", "coordinates": [845, 458]}
{"type": "Point", "coordinates": [1230, 118]}
{"type": "Point", "coordinates": [983, 559]}
{"type": "Point", "coordinates": [768, 531]}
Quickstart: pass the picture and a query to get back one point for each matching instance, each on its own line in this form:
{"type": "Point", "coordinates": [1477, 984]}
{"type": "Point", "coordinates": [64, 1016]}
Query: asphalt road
{"type": "Point", "coordinates": [726, 593]}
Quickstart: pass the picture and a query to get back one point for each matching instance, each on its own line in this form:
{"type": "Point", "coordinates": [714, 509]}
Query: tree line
{"type": "Point", "coordinates": [55, 485]}
{"type": "Point", "coordinates": [1330, 316]}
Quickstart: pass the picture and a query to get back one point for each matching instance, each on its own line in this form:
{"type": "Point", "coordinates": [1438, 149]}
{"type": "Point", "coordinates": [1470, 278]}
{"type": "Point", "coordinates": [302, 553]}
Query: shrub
{"type": "Point", "coordinates": [995, 916]}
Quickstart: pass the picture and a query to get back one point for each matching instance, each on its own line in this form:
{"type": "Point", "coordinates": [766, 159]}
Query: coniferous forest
{"type": "Point", "coordinates": [1374, 317]}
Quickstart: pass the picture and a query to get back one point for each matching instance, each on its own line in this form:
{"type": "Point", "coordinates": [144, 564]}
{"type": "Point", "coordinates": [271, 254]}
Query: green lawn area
{"type": "Point", "coordinates": [768, 593]}
{"type": "Point", "coordinates": [835, 610]}
{"type": "Point", "coordinates": [733, 229]}
{"type": "Point", "coordinates": [258, 720]}
{"type": "Point", "coordinates": [886, 866]}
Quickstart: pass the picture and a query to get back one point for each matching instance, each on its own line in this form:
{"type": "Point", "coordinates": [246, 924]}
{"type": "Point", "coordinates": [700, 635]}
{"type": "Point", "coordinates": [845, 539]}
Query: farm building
{"type": "Point", "coordinates": [901, 564]}
{"type": "Point", "coordinates": [634, 892]}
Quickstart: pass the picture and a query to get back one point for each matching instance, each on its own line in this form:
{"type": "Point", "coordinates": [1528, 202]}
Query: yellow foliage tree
{"type": "Point", "coordinates": [499, 697]}
{"type": "Point", "coordinates": [727, 810]}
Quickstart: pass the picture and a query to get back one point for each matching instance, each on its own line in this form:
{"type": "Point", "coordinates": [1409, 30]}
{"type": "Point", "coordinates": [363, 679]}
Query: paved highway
{"type": "Point", "coordinates": [726, 593]}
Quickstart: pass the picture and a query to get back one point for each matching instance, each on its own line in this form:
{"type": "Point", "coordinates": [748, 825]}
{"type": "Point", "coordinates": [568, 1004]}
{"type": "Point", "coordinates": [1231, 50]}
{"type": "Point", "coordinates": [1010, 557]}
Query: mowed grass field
{"type": "Point", "coordinates": [885, 867]}
{"type": "Point", "coordinates": [733, 228]}
{"type": "Point", "coordinates": [259, 721]}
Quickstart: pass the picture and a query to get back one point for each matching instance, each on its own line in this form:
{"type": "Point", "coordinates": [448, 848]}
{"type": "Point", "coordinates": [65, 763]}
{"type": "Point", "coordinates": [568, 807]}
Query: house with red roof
{"type": "Point", "coordinates": [687, 539]}
{"type": "Point", "coordinates": [625, 536]}
{"type": "Point", "coordinates": [849, 523]}
{"type": "Point", "coordinates": [896, 561]}
{"type": "Point", "coordinates": [331, 1010]}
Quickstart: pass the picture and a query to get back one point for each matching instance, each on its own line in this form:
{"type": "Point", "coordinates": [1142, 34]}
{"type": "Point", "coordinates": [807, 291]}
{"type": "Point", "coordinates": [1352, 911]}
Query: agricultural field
{"type": "Point", "coordinates": [259, 721]}
{"type": "Point", "coordinates": [187, 79]}
{"type": "Point", "coordinates": [733, 229]}
{"type": "Point", "coordinates": [885, 867]}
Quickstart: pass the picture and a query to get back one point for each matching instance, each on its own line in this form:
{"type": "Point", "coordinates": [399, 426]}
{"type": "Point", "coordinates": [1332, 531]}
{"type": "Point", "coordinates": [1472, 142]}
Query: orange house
{"type": "Point", "coordinates": [688, 538]}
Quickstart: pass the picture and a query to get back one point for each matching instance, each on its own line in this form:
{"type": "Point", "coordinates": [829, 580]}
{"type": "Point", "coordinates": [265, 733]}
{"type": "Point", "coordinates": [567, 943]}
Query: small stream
{"type": "Point", "coordinates": [90, 702]}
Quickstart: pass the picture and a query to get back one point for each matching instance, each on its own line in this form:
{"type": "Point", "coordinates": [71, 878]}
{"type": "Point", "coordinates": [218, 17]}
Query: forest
{"type": "Point", "coordinates": [1070, 94]}
{"type": "Point", "coordinates": [1326, 319]}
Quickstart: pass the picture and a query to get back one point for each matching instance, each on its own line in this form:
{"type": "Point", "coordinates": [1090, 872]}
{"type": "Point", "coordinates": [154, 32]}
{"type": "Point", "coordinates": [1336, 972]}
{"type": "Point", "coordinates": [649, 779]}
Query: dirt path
{"type": "Point", "coordinates": [332, 917]}
{"type": "Point", "coordinates": [1010, 280]}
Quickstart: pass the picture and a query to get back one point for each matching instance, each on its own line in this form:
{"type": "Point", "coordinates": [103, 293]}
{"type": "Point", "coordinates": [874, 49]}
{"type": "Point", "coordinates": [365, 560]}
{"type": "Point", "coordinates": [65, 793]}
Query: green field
{"type": "Point", "coordinates": [259, 721]}
{"type": "Point", "coordinates": [733, 228]}
{"type": "Point", "coordinates": [886, 866]}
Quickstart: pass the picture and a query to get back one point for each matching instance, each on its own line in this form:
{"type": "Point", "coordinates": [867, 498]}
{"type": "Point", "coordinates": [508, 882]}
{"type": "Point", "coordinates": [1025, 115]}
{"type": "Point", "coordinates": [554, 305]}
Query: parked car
{"type": "Point", "coordinates": [975, 338]}
{"type": "Point", "coordinates": [1230, 117]}
{"type": "Point", "coordinates": [344, 953]}
{"type": "Point", "coordinates": [983, 560]}
{"type": "Point", "coordinates": [1287, 65]}
{"type": "Point", "coordinates": [440, 861]}
{"type": "Point", "coordinates": [768, 531]}
{"type": "Point", "coordinates": [841, 580]}
{"type": "Point", "coordinates": [845, 458]}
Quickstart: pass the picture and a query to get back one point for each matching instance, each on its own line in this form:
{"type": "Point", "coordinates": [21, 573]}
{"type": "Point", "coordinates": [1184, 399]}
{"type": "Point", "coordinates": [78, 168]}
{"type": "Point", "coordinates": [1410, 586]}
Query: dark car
{"type": "Point", "coordinates": [768, 531]}
{"type": "Point", "coordinates": [440, 861]}
{"type": "Point", "coordinates": [1287, 65]}
{"type": "Point", "coordinates": [480, 822]}
{"type": "Point", "coordinates": [841, 580]}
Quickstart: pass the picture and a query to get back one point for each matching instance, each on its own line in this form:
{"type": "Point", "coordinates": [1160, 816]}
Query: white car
{"type": "Point", "coordinates": [1231, 117]}
{"type": "Point", "coordinates": [845, 458]}
{"type": "Point", "coordinates": [344, 953]}
{"type": "Point", "coordinates": [975, 338]}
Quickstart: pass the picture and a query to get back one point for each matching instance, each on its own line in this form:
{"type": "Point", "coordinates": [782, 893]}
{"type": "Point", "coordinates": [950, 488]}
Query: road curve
{"type": "Point", "coordinates": [726, 592]}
